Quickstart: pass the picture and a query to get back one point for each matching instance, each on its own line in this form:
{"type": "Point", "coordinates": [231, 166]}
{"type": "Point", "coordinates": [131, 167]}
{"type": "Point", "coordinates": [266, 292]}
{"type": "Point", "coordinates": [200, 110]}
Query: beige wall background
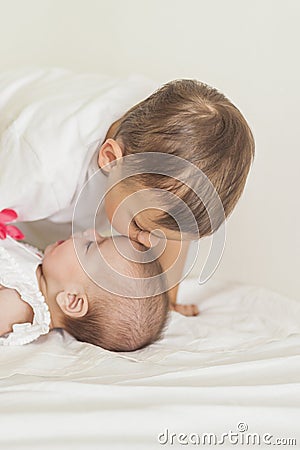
{"type": "Point", "coordinates": [249, 50]}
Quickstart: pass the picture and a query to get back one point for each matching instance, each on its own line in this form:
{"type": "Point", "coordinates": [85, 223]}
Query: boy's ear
{"type": "Point", "coordinates": [73, 305]}
{"type": "Point", "coordinates": [109, 152]}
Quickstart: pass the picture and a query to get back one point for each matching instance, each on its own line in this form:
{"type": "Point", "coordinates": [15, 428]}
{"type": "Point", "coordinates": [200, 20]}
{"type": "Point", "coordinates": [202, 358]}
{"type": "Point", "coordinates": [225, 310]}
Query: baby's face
{"type": "Point", "coordinates": [87, 256]}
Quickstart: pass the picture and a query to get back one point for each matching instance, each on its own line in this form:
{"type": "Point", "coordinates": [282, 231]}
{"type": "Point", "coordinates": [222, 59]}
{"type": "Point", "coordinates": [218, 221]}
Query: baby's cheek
{"type": "Point", "coordinates": [51, 266]}
{"type": "Point", "coordinates": [46, 265]}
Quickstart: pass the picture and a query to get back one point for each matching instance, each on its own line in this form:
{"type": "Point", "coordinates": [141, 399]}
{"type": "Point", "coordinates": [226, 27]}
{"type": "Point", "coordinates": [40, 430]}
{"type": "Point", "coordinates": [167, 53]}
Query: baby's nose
{"type": "Point", "coordinates": [149, 239]}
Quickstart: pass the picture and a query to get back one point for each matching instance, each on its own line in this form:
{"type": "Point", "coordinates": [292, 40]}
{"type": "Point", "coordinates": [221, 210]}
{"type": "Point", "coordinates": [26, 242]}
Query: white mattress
{"type": "Point", "coordinates": [238, 362]}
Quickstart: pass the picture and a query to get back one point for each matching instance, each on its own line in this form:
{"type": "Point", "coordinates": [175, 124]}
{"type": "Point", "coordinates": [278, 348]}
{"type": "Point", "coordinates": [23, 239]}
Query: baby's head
{"type": "Point", "coordinates": [102, 315]}
{"type": "Point", "coordinates": [190, 120]}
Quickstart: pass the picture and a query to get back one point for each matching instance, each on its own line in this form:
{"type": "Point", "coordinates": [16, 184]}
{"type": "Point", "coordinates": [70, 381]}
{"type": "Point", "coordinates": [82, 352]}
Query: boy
{"type": "Point", "coordinates": [49, 120]}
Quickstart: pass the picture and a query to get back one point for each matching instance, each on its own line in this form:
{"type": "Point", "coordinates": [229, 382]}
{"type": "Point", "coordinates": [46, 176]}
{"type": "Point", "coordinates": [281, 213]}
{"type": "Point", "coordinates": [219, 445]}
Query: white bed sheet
{"type": "Point", "coordinates": [238, 362]}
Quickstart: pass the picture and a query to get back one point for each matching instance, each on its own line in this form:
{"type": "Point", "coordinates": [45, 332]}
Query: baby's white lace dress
{"type": "Point", "coordinates": [18, 264]}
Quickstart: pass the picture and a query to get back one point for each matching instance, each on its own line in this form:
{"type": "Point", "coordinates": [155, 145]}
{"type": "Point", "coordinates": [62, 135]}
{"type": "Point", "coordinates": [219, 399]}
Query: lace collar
{"type": "Point", "coordinates": [18, 264]}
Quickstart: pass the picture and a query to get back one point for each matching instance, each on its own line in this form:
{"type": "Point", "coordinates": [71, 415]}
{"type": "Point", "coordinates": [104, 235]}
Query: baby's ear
{"type": "Point", "coordinates": [73, 305]}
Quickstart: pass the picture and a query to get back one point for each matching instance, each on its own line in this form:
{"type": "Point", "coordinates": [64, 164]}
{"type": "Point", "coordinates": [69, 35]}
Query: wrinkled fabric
{"type": "Point", "coordinates": [238, 361]}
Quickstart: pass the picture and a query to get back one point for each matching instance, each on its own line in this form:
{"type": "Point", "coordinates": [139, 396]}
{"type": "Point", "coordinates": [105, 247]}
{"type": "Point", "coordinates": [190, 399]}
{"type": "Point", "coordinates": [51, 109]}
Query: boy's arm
{"type": "Point", "coordinates": [173, 250]}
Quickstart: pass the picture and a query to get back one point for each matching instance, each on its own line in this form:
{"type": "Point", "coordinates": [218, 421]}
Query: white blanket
{"type": "Point", "coordinates": [236, 365]}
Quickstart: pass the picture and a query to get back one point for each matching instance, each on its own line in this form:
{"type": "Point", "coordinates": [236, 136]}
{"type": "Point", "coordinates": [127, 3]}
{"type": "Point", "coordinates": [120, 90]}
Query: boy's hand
{"type": "Point", "coordinates": [170, 254]}
{"type": "Point", "coordinates": [185, 310]}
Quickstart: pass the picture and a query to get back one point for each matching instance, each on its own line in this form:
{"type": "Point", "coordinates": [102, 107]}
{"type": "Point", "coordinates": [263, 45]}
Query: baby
{"type": "Point", "coordinates": [39, 293]}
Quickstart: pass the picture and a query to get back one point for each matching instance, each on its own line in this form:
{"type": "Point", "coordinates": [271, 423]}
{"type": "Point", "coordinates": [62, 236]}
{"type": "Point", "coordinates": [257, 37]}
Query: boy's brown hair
{"type": "Point", "coordinates": [196, 122]}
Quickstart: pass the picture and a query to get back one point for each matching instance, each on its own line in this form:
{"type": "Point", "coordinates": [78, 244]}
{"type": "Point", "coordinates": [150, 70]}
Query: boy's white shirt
{"type": "Point", "coordinates": [51, 124]}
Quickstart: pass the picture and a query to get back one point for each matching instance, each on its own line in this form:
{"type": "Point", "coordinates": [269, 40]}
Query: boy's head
{"type": "Point", "coordinates": [93, 314]}
{"type": "Point", "coordinates": [194, 121]}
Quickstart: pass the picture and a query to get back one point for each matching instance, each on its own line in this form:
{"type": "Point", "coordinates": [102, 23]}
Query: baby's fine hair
{"type": "Point", "coordinates": [119, 323]}
{"type": "Point", "coordinates": [189, 119]}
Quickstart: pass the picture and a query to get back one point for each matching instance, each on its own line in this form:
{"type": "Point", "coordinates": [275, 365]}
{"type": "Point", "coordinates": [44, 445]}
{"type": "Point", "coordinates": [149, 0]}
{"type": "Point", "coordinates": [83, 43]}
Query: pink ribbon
{"type": "Point", "coordinates": [7, 216]}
